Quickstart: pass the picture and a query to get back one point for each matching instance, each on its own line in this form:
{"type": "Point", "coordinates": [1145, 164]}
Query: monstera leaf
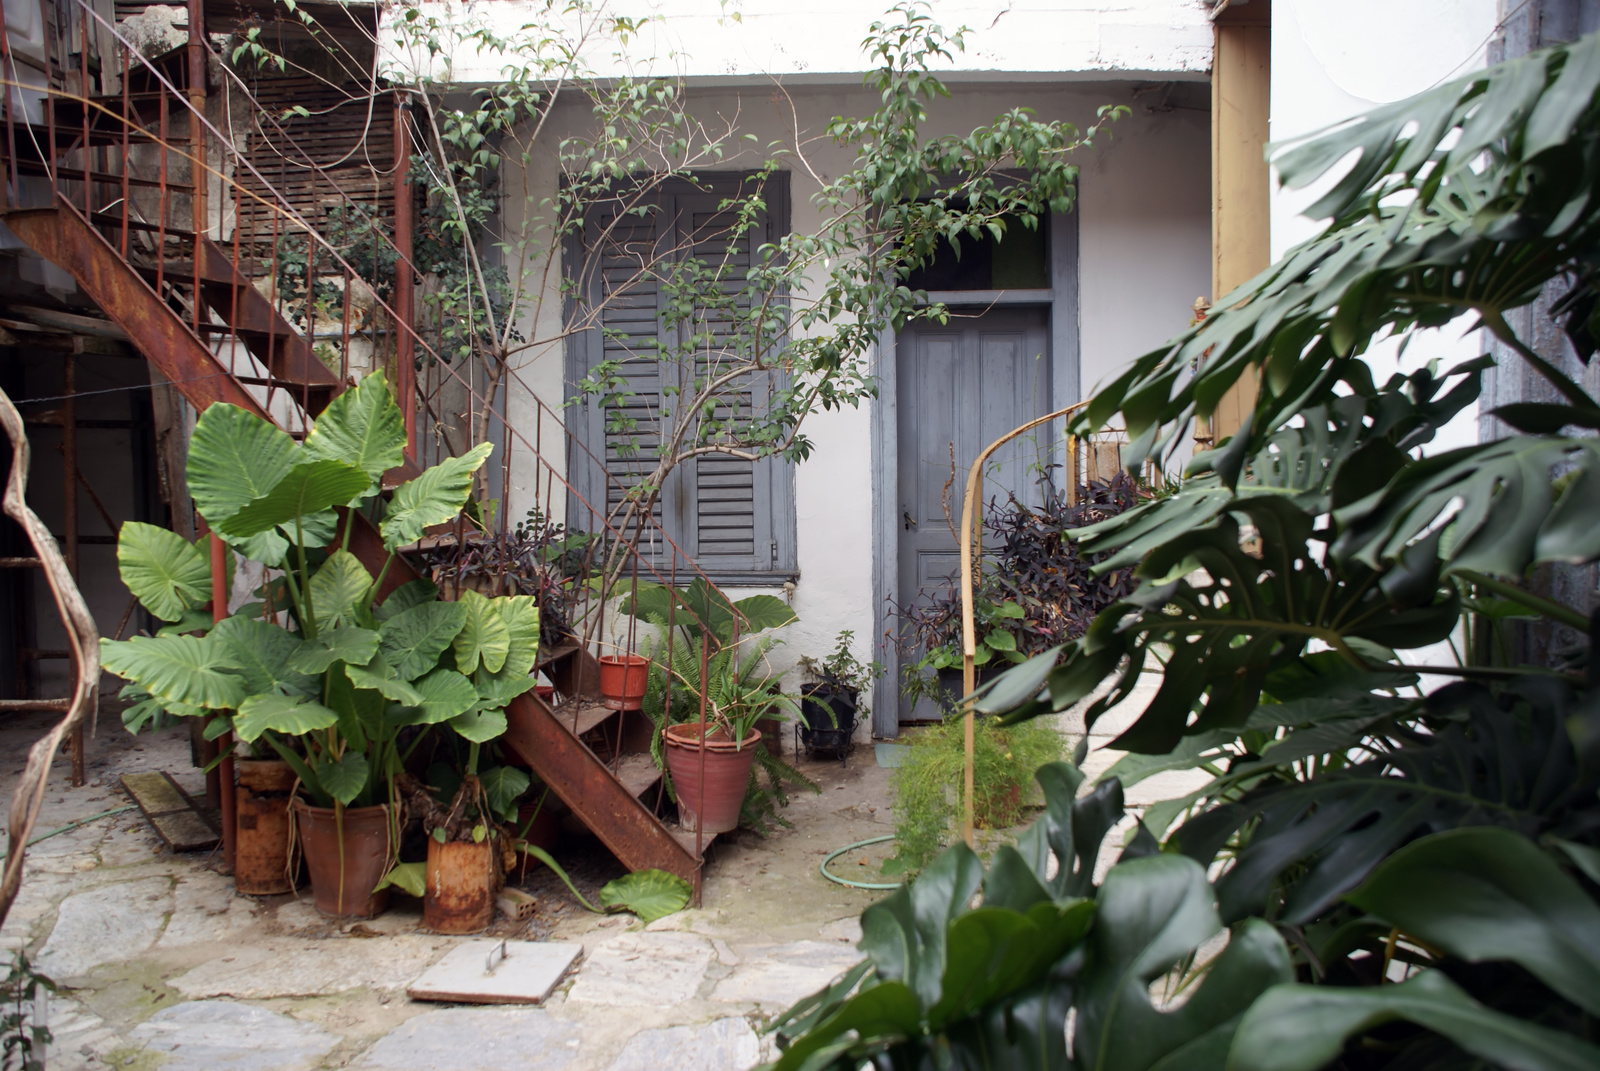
{"type": "Point", "coordinates": [432, 498]}
{"type": "Point", "coordinates": [363, 427]}
{"type": "Point", "coordinates": [1304, 1027]}
{"type": "Point", "coordinates": [1502, 759]}
{"type": "Point", "coordinates": [189, 671]}
{"type": "Point", "coordinates": [164, 571]}
{"type": "Point", "coordinates": [308, 488]}
{"type": "Point", "coordinates": [1234, 615]}
{"type": "Point", "coordinates": [1483, 894]}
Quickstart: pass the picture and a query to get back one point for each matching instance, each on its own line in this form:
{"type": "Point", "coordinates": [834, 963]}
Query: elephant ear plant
{"type": "Point", "coordinates": [317, 670]}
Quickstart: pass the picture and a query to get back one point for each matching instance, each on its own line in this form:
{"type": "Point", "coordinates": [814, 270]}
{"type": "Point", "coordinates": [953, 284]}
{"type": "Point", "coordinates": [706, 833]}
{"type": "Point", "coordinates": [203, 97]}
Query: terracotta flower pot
{"type": "Point", "coordinates": [461, 879]}
{"type": "Point", "coordinates": [347, 855]}
{"type": "Point", "coordinates": [622, 680]}
{"type": "Point", "coordinates": [261, 844]}
{"type": "Point", "coordinates": [727, 773]}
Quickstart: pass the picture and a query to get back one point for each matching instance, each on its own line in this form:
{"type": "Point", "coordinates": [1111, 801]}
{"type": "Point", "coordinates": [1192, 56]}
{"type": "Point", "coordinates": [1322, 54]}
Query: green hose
{"type": "Point", "coordinates": [70, 826]}
{"type": "Point", "coordinates": [858, 884]}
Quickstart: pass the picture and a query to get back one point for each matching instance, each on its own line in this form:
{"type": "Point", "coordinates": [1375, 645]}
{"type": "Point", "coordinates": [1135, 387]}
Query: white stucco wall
{"type": "Point", "coordinates": [818, 40]}
{"type": "Point", "coordinates": [1144, 233]}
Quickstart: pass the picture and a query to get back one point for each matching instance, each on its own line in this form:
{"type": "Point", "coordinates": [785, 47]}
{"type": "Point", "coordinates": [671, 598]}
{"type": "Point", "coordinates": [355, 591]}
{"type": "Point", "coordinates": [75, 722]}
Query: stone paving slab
{"type": "Point", "coordinates": [723, 1045]}
{"type": "Point", "coordinates": [477, 1039]}
{"type": "Point", "coordinates": [782, 974]}
{"type": "Point", "coordinates": [290, 967]}
{"type": "Point", "coordinates": [215, 1035]}
{"type": "Point", "coordinates": [110, 923]}
{"type": "Point", "coordinates": [205, 910]}
{"type": "Point", "coordinates": [650, 969]}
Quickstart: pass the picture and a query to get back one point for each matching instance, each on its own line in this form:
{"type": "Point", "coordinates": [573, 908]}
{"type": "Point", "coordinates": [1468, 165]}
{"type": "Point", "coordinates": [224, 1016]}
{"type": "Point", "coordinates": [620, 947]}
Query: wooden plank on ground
{"type": "Point", "coordinates": [171, 812]}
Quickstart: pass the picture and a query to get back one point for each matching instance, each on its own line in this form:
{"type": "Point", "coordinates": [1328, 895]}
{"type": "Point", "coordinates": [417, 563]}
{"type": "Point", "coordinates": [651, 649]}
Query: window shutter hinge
{"type": "Point", "coordinates": [774, 553]}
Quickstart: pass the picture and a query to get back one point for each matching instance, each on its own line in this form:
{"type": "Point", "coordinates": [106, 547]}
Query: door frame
{"type": "Point", "coordinates": [1061, 300]}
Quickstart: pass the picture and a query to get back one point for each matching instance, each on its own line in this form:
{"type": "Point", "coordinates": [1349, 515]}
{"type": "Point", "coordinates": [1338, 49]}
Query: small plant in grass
{"type": "Point", "coordinates": [928, 787]}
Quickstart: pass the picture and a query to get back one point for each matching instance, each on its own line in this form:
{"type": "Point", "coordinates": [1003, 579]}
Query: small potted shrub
{"type": "Point", "coordinates": [319, 672]}
{"type": "Point", "coordinates": [739, 689]}
{"type": "Point", "coordinates": [829, 703]}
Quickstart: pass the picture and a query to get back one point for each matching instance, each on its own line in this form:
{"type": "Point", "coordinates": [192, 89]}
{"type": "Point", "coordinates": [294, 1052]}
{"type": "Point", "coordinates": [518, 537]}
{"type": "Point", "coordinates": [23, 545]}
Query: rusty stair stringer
{"type": "Point", "coordinates": [629, 829]}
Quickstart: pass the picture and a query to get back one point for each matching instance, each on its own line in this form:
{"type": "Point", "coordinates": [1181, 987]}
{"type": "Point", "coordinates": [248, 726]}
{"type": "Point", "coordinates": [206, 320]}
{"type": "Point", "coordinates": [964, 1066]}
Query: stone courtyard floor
{"type": "Point", "coordinates": [163, 966]}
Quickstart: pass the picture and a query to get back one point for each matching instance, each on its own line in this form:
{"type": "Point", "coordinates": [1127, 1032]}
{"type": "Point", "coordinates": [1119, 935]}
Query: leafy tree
{"type": "Point", "coordinates": [1410, 880]}
{"type": "Point", "coordinates": [757, 347]}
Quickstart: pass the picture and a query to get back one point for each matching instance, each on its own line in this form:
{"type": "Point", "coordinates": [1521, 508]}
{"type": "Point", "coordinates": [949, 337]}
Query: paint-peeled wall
{"type": "Point", "coordinates": [1144, 235]}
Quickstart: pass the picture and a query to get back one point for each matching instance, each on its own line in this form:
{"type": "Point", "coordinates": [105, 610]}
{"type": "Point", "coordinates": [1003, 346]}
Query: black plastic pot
{"type": "Point", "coordinates": [829, 716]}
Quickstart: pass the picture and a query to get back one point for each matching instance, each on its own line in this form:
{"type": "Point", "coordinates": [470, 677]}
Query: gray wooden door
{"type": "Point", "coordinates": [961, 387]}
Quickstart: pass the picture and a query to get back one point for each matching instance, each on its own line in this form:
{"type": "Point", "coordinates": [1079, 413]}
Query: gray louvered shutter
{"type": "Point", "coordinates": [734, 517]}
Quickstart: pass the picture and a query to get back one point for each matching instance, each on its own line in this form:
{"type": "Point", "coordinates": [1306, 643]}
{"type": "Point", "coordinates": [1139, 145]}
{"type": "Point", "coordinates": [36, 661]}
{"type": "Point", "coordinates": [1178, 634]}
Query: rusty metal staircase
{"type": "Point", "coordinates": [190, 307]}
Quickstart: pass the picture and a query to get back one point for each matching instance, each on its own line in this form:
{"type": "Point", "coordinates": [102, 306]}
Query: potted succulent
{"type": "Point", "coordinates": [738, 688]}
{"type": "Point", "coordinates": [337, 684]}
{"type": "Point", "coordinates": [829, 703]}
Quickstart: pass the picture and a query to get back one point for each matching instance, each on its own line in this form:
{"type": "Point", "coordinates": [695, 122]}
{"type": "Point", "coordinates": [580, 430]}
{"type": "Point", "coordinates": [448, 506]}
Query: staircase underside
{"type": "Point", "coordinates": [608, 802]}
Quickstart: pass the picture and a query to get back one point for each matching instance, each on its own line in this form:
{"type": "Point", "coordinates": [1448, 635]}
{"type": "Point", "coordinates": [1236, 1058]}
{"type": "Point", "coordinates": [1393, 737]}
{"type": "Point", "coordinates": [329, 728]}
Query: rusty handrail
{"type": "Point", "coordinates": [972, 530]}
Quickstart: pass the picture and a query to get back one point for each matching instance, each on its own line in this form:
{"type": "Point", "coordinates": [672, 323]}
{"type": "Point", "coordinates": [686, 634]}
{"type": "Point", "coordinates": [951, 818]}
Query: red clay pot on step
{"type": "Point", "coordinates": [347, 856]}
{"type": "Point", "coordinates": [622, 680]}
{"type": "Point", "coordinates": [727, 773]}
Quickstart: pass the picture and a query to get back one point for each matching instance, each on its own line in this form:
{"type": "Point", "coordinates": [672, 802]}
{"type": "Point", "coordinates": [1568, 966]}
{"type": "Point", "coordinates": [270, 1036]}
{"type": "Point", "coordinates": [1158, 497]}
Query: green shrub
{"type": "Point", "coordinates": [928, 788]}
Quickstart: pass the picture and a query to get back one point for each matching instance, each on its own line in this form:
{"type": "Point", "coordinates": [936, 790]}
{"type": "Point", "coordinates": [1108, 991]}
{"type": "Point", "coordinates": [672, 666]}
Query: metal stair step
{"type": "Point", "coordinates": [638, 773]}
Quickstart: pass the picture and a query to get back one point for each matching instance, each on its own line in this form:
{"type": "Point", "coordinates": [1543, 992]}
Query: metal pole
{"type": "Point", "coordinates": [971, 523]}
{"type": "Point", "coordinates": [405, 372]}
{"type": "Point", "coordinates": [219, 610]}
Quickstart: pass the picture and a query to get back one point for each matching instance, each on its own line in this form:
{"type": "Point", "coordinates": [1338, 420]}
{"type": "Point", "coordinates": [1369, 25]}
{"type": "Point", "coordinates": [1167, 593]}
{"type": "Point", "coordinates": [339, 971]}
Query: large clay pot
{"type": "Point", "coordinates": [347, 854]}
{"type": "Point", "coordinates": [622, 680]}
{"type": "Point", "coordinates": [462, 878]}
{"type": "Point", "coordinates": [261, 844]}
{"type": "Point", "coordinates": [727, 773]}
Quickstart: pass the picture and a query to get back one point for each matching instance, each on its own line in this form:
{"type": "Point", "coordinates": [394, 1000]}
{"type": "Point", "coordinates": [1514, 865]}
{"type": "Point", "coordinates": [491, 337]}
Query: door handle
{"type": "Point", "coordinates": [907, 521]}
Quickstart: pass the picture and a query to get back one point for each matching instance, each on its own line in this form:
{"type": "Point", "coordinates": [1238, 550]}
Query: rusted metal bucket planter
{"type": "Point", "coordinates": [346, 855]}
{"type": "Point", "coordinates": [727, 773]}
{"type": "Point", "coordinates": [261, 851]}
{"type": "Point", "coordinates": [462, 878]}
{"type": "Point", "coordinates": [622, 680]}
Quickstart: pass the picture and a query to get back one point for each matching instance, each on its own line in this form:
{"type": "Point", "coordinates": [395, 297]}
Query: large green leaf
{"type": "Point", "coordinates": [411, 593]}
{"type": "Point", "coordinates": [363, 427]}
{"type": "Point", "coordinates": [521, 615]}
{"type": "Point", "coordinates": [338, 591]}
{"type": "Point", "coordinates": [1153, 912]}
{"type": "Point", "coordinates": [380, 677]}
{"type": "Point", "coordinates": [1484, 894]}
{"type": "Point", "coordinates": [445, 694]}
{"type": "Point", "coordinates": [650, 894]}
{"type": "Point", "coordinates": [1303, 1027]}
{"type": "Point", "coordinates": [703, 607]}
{"type": "Point", "coordinates": [164, 571]}
{"type": "Point", "coordinates": [432, 498]}
{"type": "Point", "coordinates": [187, 670]}
{"type": "Point", "coordinates": [261, 653]}
{"type": "Point", "coordinates": [350, 645]}
{"type": "Point", "coordinates": [344, 778]}
{"type": "Point", "coordinates": [502, 787]}
{"type": "Point", "coordinates": [289, 715]}
{"type": "Point", "coordinates": [1503, 759]}
{"type": "Point", "coordinates": [485, 638]}
{"type": "Point", "coordinates": [235, 458]}
{"type": "Point", "coordinates": [412, 640]}
{"type": "Point", "coordinates": [479, 726]}
{"type": "Point", "coordinates": [306, 489]}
